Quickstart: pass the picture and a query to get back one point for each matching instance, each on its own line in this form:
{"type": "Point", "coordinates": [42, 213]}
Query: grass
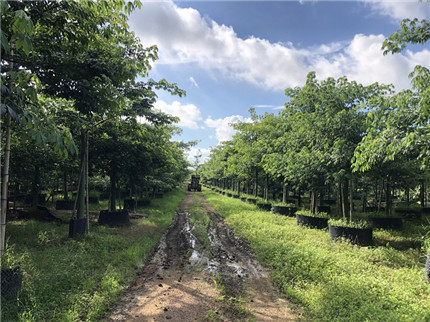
{"type": "Point", "coordinates": [70, 280]}
{"type": "Point", "coordinates": [199, 221]}
{"type": "Point", "coordinates": [332, 281]}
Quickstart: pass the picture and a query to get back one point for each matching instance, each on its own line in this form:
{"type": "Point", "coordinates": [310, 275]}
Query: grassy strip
{"type": "Point", "coordinates": [199, 221]}
{"type": "Point", "coordinates": [333, 281]}
{"type": "Point", "coordinates": [69, 280]}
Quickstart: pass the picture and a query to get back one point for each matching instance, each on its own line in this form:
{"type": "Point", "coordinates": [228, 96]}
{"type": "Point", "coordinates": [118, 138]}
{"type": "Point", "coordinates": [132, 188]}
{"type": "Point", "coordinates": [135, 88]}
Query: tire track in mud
{"type": "Point", "coordinates": [177, 283]}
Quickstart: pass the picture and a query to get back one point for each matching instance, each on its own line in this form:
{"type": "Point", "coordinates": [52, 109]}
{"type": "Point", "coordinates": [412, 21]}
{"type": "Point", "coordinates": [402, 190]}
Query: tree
{"type": "Point", "coordinates": [399, 124]}
{"type": "Point", "coordinates": [323, 123]}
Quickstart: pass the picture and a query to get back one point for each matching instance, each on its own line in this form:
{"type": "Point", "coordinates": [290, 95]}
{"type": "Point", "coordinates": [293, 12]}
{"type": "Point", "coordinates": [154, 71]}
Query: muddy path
{"type": "Point", "coordinates": [186, 280]}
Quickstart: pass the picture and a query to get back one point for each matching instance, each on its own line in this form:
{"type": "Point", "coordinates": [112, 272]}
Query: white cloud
{"type": "Point", "coordinates": [189, 114]}
{"type": "Point", "coordinates": [399, 10]}
{"type": "Point", "coordinates": [269, 106]}
{"type": "Point", "coordinates": [195, 151]}
{"type": "Point", "coordinates": [184, 36]}
{"type": "Point", "coordinates": [223, 129]}
{"type": "Point", "coordinates": [193, 81]}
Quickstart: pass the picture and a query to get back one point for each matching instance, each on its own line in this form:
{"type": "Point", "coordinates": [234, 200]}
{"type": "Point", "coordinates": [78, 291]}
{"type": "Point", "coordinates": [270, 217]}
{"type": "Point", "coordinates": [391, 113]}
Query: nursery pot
{"type": "Point", "coordinates": [386, 222]}
{"type": "Point", "coordinates": [77, 227]}
{"type": "Point", "coordinates": [373, 209]}
{"type": "Point", "coordinates": [11, 282]}
{"type": "Point", "coordinates": [64, 204]}
{"type": "Point", "coordinates": [284, 210]}
{"type": "Point", "coordinates": [114, 218]}
{"type": "Point", "coordinates": [93, 200]}
{"type": "Point", "coordinates": [359, 236]}
{"type": "Point", "coordinates": [143, 202]}
{"type": "Point", "coordinates": [229, 194]}
{"type": "Point", "coordinates": [326, 209]}
{"type": "Point", "coordinates": [252, 200]}
{"type": "Point", "coordinates": [409, 213]}
{"type": "Point", "coordinates": [264, 206]}
{"type": "Point", "coordinates": [311, 221]}
{"type": "Point", "coordinates": [243, 199]}
{"type": "Point", "coordinates": [129, 204]}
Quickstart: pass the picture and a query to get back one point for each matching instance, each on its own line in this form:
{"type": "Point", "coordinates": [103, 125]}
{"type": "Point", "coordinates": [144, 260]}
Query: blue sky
{"type": "Point", "coordinates": [233, 55]}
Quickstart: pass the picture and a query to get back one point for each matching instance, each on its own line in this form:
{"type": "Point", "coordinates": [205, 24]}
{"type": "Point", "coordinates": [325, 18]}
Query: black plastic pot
{"type": "Point", "coordinates": [114, 218]}
{"type": "Point", "coordinates": [264, 206]}
{"type": "Point", "coordinates": [329, 202]}
{"type": "Point", "coordinates": [426, 210]}
{"type": "Point", "coordinates": [252, 200]}
{"type": "Point", "coordinates": [236, 196]}
{"type": "Point", "coordinates": [311, 221]}
{"type": "Point", "coordinates": [93, 200]}
{"type": "Point", "coordinates": [11, 282]}
{"type": "Point", "coordinates": [409, 213]}
{"type": "Point", "coordinates": [284, 210]}
{"type": "Point", "coordinates": [427, 268]}
{"type": "Point", "coordinates": [243, 199]}
{"type": "Point", "coordinates": [373, 209]}
{"type": "Point", "coordinates": [229, 194]}
{"type": "Point", "coordinates": [326, 209]}
{"type": "Point", "coordinates": [77, 227]}
{"type": "Point", "coordinates": [359, 236]}
{"type": "Point", "coordinates": [129, 204]}
{"type": "Point", "coordinates": [64, 204]}
{"type": "Point", "coordinates": [386, 222]}
{"type": "Point", "coordinates": [143, 202]}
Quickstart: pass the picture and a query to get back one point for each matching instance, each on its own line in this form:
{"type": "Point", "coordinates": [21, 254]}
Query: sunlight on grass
{"type": "Point", "coordinates": [333, 281]}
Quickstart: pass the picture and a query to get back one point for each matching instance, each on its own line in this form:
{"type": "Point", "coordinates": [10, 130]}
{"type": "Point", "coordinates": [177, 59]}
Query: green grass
{"type": "Point", "coordinates": [332, 281]}
{"type": "Point", "coordinates": [199, 221]}
{"type": "Point", "coordinates": [70, 280]}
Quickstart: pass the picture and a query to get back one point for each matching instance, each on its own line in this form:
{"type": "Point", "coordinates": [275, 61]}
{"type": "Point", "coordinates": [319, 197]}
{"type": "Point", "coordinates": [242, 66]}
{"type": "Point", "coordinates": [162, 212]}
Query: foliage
{"type": "Point", "coordinates": [361, 224]}
{"type": "Point", "coordinates": [308, 213]}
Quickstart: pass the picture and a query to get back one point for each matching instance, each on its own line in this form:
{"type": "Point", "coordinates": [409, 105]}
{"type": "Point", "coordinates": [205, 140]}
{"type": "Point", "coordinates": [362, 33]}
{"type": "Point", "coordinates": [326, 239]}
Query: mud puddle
{"type": "Point", "coordinates": [184, 281]}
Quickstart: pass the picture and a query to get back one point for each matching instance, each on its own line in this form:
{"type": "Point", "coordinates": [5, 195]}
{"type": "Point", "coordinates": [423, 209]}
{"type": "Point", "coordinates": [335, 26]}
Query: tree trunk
{"type": "Point", "coordinates": [266, 188]}
{"type": "Point", "coordinates": [284, 193]}
{"type": "Point", "coordinates": [256, 183]}
{"type": "Point", "coordinates": [35, 190]}
{"type": "Point", "coordinates": [87, 201]}
{"type": "Point", "coordinates": [5, 184]}
{"type": "Point", "coordinates": [82, 184]}
{"type": "Point", "coordinates": [342, 200]}
{"type": "Point", "coordinates": [388, 198]}
{"type": "Point", "coordinates": [113, 188]}
{"type": "Point", "coordinates": [422, 194]}
{"type": "Point", "coordinates": [380, 195]}
{"type": "Point", "coordinates": [65, 186]}
{"type": "Point", "coordinates": [299, 199]}
{"type": "Point", "coordinates": [351, 199]}
{"type": "Point", "coordinates": [407, 197]}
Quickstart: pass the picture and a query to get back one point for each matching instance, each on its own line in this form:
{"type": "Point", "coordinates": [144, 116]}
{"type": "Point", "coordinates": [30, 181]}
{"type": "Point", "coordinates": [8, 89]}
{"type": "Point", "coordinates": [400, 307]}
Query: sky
{"type": "Point", "coordinates": [230, 56]}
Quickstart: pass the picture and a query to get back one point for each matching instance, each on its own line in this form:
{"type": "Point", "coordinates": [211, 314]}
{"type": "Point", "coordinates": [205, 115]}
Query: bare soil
{"type": "Point", "coordinates": [181, 283]}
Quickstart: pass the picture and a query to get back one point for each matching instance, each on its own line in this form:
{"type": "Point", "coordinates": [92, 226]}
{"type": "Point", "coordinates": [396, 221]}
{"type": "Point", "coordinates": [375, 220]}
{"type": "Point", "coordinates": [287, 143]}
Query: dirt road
{"type": "Point", "coordinates": [188, 281]}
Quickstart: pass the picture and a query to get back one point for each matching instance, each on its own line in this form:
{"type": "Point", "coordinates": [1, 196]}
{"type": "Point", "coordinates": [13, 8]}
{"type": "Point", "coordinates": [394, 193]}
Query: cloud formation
{"type": "Point", "coordinates": [399, 10]}
{"type": "Point", "coordinates": [184, 36]}
{"type": "Point", "coordinates": [223, 129]}
{"type": "Point", "coordinates": [196, 151]}
{"type": "Point", "coordinates": [189, 114]}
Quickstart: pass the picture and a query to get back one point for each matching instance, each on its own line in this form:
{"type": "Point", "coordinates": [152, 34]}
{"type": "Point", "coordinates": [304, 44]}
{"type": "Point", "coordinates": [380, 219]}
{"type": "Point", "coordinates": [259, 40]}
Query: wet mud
{"type": "Point", "coordinates": [184, 282]}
